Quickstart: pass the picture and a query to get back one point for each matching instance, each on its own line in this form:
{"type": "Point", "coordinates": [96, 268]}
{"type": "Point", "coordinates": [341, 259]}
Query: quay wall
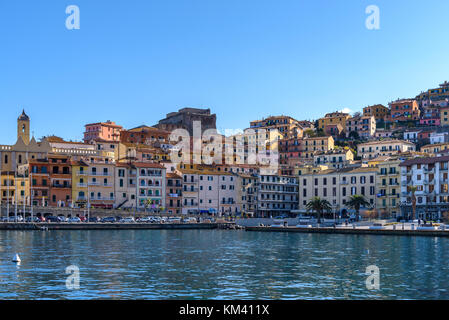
{"type": "Point", "coordinates": [111, 226]}
{"type": "Point", "coordinates": [428, 233]}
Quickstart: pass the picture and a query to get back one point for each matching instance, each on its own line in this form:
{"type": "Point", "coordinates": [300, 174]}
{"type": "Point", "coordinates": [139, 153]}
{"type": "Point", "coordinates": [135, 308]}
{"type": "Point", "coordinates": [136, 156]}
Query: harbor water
{"type": "Point", "coordinates": [219, 264]}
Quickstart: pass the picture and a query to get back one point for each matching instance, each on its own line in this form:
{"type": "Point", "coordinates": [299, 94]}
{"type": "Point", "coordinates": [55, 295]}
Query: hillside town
{"type": "Point", "coordinates": [386, 161]}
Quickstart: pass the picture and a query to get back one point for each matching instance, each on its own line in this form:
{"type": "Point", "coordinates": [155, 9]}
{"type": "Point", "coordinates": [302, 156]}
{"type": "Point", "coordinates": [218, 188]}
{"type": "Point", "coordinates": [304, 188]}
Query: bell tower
{"type": "Point", "coordinates": [23, 127]}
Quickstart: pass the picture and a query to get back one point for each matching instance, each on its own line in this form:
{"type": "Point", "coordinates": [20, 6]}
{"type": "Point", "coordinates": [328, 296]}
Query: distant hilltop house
{"type": "Point", "coordinates": [184, 119]}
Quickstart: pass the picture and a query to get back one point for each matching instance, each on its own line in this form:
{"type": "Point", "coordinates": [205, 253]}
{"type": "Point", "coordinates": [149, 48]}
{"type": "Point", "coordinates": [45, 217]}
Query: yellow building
{"type": "Point", "coordinates": [308, 169]}
{"type": "Point", "coordinates": [7, 187]}
{"type": "Point", "coordinates": [80, 171]}
{"type": "Point", "coordinates": [379, 111]}
{"type": "Point", "coordinates": [435, 148]}
{"type": "Point", "coordinates": [334, 118]}
{"type": "Point", "coordinates": [388, 186]}
{"type": "Point", "coordinates": [444, 115]}
{"type": "Point", "coordinates": [287, 126]}
{"type": "Point", "coordinates": [311, 146]}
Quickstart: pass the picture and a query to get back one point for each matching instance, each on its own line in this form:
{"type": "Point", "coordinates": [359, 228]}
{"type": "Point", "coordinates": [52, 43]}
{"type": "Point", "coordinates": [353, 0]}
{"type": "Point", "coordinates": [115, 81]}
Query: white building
{"type": "Point", "coordinates": [151, 188]}
{"type": "Point", "coordinates": [430, 177]}
{"type": "Point", "coordinates": [440, 137]}
{"type": "Point", "coordinates": [276, 195]}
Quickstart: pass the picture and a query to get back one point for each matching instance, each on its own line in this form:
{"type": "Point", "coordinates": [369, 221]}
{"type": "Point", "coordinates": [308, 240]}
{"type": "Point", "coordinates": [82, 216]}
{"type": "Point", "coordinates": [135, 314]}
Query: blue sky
{"type": "Point", "coordinates": [134, 61]}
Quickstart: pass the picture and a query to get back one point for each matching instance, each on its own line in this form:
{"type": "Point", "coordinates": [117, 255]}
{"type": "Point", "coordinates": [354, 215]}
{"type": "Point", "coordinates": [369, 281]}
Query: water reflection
{"type": "Point", "coordinates": [213, 264]}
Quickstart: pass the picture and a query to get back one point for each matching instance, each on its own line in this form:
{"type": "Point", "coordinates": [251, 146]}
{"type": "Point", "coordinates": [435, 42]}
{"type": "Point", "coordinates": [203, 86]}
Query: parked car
{"type": "Point", "coordinates": [74, 220]}
{"type": "Point", "coordinates": [174, 220]}
{"type": "Point", "coordinates": [282, 216]}
{"type": "Point", "coordinates": [144, 219]}
{"type": "Point", "coordinates": [41, 219]}
{"type": "Point", "coordinates": [52, 219]}
{"type": "Point", "coordinates": [14, 219]}
{"type": "Point", "coordinates": [108, 219]}
{"type": "Point", "coordinates": [34, 219]}
{"type": "Point", "coordinates": [62, 219]}
{"type": "Point", "coordinates": [94, 219]}
{"type": "Point", "coordinates": [155, 219]}
{"type": "Point", "coordinates": [83, 218]}
{"type": "Point", "coordinates": [128, 220]}
{"type": "Point", "coordinates": [190, 220]}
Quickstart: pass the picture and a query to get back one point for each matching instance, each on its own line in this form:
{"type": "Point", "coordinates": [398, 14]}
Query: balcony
{"type": "Point", "coordinates": [61, 186]}
{"type": "Point", "coordinates": [81, 173]}
{"type": "Point", "coordinates": [191, 190]}
{"type": "Point", "coordinates": [103, 199]}
{"type": "Point", "coordinates": [81, 185]}
{"type": "Point", "coordinates": [101, 174]}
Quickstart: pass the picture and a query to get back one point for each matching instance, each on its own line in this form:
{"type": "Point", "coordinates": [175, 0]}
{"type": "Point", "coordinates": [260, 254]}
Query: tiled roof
{"type": "Point", "coordinates": [428, 160]}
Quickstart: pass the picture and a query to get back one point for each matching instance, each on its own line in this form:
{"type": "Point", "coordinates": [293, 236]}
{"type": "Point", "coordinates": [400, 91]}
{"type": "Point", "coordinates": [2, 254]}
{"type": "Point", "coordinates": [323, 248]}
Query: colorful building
{"type": "Point", "coordinates": [388, 186]}
{"type": "Point", "coordinates": [80, 177]}
{"type": "Point", "coordinates": [333, 118]}
{"type": "Point", "coordinates": [404, 110]}
{"type": "Point", "coordinates": [173, 200]}
{"type": "Point", "coordinates": [60, 181]}
{"type": "Point", "coordinates": [378, 111]}
{"type": "Point", "coordinates": [106, 131]}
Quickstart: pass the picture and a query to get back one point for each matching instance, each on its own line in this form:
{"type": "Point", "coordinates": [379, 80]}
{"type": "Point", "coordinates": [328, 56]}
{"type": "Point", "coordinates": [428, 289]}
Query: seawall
{"type": "Point", "coordinates": [427, 233]}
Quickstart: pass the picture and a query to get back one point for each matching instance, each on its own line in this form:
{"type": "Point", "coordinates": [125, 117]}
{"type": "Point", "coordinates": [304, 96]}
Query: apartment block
{"type": "Point", "coordinates": [388, 188]}
{"type": "Point", "coordinates": [430, 177]}
{"type": "Point", "coordinates": [336, 186]}
{"type": "Point", "coordinates": [105, 131]}
{"type": "Point", "coordinates": [404, 110]}
{"type": "Point", "coordinates": [276, 195]}
{"type": "Point", "coordinates": [364, 127]}
{"type": "Point", "coordinates": [378, 111]}
{"type": "Point", "coordinates": [125, 186]}
{"type": "Point", "coordinates": [173, 203]}
{"type": "Point", "coordinates": [151, 186]}
{"type": "Point", "coordinates": [333, 118]}
{"type": "Point", "coordinates": [311, 146]}
{"type": "Point", "coordinates": [373, 149]}
{"type": "Point", "coordinates": [337, 158]}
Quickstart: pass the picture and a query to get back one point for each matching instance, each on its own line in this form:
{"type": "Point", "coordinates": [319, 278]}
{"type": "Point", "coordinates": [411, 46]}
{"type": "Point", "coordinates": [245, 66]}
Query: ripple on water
{"type": "Point", "coordinates": [215, 264]}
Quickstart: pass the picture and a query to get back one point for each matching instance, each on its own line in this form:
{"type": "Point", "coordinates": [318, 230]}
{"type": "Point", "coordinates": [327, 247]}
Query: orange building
{"type": "Point", "coordinates": [404, 110]}
{"type": "Point", "coordinates": [106, 131]}
{"type": "Point", "coordinates": [60, 181]}
{"type": "Point", "coordinates": [173, 198]}
{"type": "Point", "coordinates": [39, 182]}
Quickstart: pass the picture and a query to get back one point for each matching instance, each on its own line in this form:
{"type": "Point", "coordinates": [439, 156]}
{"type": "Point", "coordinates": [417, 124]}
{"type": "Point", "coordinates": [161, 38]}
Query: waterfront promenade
{"type": "Point", "coordinates": [399, 229]}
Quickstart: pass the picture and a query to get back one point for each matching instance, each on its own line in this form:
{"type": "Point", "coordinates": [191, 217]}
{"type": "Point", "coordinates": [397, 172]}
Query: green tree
{"type": "Point", "coordinates": [357, 201]}
{"type": "Point", "coordinates": [319, 206]}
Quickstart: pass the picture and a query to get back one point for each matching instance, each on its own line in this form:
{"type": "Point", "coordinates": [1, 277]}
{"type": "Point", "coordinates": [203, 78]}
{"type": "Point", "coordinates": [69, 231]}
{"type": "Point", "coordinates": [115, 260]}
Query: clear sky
{"type": "Point", "coordinates": [134, 61]}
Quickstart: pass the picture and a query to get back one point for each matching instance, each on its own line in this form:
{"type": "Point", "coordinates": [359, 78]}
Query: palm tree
{"type": "Point", "coordinates": [357, 201]}
{"type": "Point", "coordinates": [413, 189]}
{"type": "Point", "coordinates": [319, 206]}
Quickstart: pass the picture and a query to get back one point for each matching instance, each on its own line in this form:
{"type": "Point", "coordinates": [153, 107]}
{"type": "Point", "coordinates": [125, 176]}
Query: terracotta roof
{"type": "Point", "coordinates": [173, 175]}
{"type": "Point", "coordinates": [428, 160]}
{"type": "Point", "coordinates": [148, 165]}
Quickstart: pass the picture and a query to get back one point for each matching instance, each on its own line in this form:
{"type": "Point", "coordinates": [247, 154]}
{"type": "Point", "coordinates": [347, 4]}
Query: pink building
{"type": "Point", "coordinates": [105, 131]}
